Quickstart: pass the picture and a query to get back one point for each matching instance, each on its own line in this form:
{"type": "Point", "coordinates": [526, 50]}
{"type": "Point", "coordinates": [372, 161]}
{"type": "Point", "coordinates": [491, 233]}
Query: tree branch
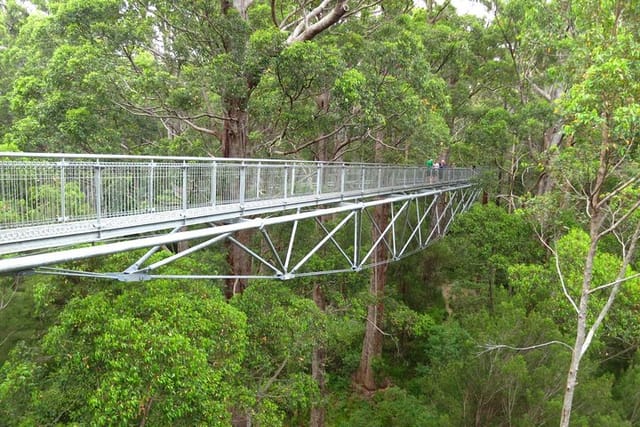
{"type": "Point", "coordinates": [188, 120]}
{"type": "Point", "coordinates": [6, 337]}
{"type": "Point", "coordinates": [303, 32]}
{"type": "Point", "coordinates": [381, 142]}
{"type": "Point", "coordinates": [615, 282]}
{"type": "Point", "coordinates": [564, 286]}
{"type": "Point", "coordinates": [618, 189]}
{"type": "Point", "coordinates": [273, 378]}
{"type": "Point", "coordinates": [491, 347]}
{"type": "Point", "coordinates": [614, 291]}
{"type": "Point", "coordinates": [624, 217]}
{"type": "Point", "coordinates": [315, 141]}
{"type": "Point", "coordinates": [13, 289]}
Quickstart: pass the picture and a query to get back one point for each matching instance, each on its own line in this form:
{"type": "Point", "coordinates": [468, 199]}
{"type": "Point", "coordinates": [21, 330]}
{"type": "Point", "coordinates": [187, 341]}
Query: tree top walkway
{"type": "Point", "coordinates": [49, 202]}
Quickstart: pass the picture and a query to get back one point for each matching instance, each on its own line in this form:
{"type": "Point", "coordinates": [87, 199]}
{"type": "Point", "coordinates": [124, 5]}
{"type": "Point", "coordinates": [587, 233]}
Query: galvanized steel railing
{"type": "Point", "coordinates": [41, 189]}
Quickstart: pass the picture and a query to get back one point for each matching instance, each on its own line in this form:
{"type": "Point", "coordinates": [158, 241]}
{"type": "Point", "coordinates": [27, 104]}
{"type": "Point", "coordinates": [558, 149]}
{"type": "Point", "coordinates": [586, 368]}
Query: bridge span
{"type": "Point", "coordinates": [57, 208]}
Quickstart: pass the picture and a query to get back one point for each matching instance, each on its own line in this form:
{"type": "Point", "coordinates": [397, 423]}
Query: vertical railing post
{"type": "Point", "coordinates": [97, 183]}
{"type": "Point", "coordinates": [285, 183]}
{"type": "Point", "coordinates": [342, 179]}
{"type": "Point", "coordinates": [151, 188]}
{"type": "Point", "coordinates": [63, 197]}
{"type": "Point", "coordinates": [394, 176]}
{"type": "Point", "coordinates": [184, 188]}
{"type": "Point", "coordinates": [357, 239]}
{"type": "Point", "coordinates": [362, 180]}
{"type": "Point", "coordinates": [318, 179]}
{"type": "Point", "coordinates": [258, 176]}
{"type": "Point", "coordinates": [243, 183]}
{"type": "Point", "coordinates": [293, 179]}
{"type": "Point", "coordinates": [214, 180]}
{"type": "Point", "coordinates": [379, 176]}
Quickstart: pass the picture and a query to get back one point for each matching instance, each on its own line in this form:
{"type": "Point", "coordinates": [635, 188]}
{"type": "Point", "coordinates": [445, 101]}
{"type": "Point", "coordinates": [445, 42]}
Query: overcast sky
{"type": "Point", "coordinates": [471, 7]}
{"type": "Point", "coordinates": [462, 6]}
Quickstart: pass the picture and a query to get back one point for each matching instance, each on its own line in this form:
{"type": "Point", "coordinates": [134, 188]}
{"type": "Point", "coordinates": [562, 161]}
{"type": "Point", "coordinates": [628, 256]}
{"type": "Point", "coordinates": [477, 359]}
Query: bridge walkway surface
{"type": "Point", "coordinates": [56, 208]}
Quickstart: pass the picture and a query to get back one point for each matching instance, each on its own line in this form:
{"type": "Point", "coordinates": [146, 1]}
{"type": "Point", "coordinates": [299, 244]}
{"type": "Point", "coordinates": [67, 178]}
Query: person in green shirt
{"type": "Point", "coordinates": [429, 164]}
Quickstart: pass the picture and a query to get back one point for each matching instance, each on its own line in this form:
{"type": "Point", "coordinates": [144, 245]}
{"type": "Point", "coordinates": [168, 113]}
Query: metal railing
{"type": "Point", "coordinates": [41, 189]}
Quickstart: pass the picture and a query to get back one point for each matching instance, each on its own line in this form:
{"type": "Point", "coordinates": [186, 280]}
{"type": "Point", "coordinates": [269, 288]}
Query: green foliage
{"type": "Point", "coordinates": [264, 46]}
{"type": "Point", "coordinates": [489, 240]}
{"type": "Point", "coordinates": [627, 391]}
{"type": "Point", "coordinates": [164, 77]}
{"type": "Point", "coordinates": [305, 68]}
{"type": "Point", "coordinates": [491, 131]}
{"type": "Point", "coordinates": [159, 353]}
{"type": "Point", "coordinates": [348, 88]}
{"type": "Point", "coordinates": [503, 385]}
{"type": "Point", "coordinates": [392, 407]}
{"type": "Point", "coordinates": [60, 95]}
{"type": "Point", "coordinates": [444, 342]}
{"type": "Point", "coordinates": [282, 332]}
{"type": "Point", "coordinates": [538, 287]}
{"type": "Point", "coordinates": [550, 216]}
{"type": "Point", "coordinates": [17, 316]}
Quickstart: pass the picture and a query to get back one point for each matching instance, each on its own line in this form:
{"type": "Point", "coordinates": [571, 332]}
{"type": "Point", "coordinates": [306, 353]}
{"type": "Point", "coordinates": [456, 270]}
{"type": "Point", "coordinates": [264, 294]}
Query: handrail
{"type": "Point", "coordinates": [41, 188]}
{"type": "Point", "coordinates": [92, 157]}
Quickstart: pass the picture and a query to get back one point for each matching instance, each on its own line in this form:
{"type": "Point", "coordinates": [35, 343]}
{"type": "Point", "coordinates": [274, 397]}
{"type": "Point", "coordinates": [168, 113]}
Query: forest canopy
{"type": "Point", "coordinates": [525, 313]}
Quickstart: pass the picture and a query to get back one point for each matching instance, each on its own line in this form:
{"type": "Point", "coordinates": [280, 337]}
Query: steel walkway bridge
{"type": "Point", "coordinates": [58, 208]}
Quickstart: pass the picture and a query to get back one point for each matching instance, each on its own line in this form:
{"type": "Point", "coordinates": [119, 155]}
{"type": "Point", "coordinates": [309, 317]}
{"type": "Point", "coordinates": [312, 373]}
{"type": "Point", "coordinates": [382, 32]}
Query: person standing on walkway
{"type": "Point", "coordinates": [429, 164]}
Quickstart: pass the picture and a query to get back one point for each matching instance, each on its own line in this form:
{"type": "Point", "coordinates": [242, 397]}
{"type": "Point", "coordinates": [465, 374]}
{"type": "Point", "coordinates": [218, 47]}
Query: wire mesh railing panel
{"type": "Point", "coordinates": [271, 182]}
{"type": "Point", "coordinates": [38, 189]}
{"type": "Point", "coordinates": [228, 184]}
{"type": "Point", "coordinates": [304, 179]}
{"type": "Point", "coordinates": [30, 194]}
{"type": "Point", "coordinates": [166, 187]}
{"type": "Point", "coordinates": [331, 178]}
{"type": "Point", "coordinates": [253, 175]}
{"type": "Point", "coordinates": [78, 194]}
{"type": "Point", "coordinates": [398, 177]}
{"type": "Point", "coordinates": [371, 175]}
{"type": "Point", "coordinates": [352, 179]}
{"type": "Point", "coordinates": [120, 189]}
{"type": "Point", "coordinates": [386, 177]}
{"type": "Point", "coordinates": [198, 185]}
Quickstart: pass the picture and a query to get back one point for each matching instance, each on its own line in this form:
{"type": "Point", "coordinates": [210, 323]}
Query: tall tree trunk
{"type": "Point", "coordinates": [318, 359]}
{"type": "Point", "coordinates": [597, 217]}
{"type": "Point", "coordinates": [319, 355]}
{"type": "Point", "coordinates": [513, 171]}
{"type": "Point", "coordinates": [372, 343]}
{"type": "Point", "coordinates": [236, 129]}
{"type": "Point", "coordinates": [492, 281]}
{"type": "Point", "coordinates": [235, 144]}
{"type": "Point", "coordinates": [581, 331]}
{"type": "Point", "coordinates": [551, 140]}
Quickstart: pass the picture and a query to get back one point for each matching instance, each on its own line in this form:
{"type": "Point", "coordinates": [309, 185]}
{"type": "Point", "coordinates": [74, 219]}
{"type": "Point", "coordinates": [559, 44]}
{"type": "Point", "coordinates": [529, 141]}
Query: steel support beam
{"type": "Point", "coordinates": [416, 218]}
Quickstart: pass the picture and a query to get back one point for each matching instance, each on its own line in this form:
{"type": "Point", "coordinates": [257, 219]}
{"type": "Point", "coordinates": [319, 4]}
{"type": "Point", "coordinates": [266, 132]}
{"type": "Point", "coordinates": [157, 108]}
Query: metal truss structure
{"type": "Point", "coordinates": [300, 214]}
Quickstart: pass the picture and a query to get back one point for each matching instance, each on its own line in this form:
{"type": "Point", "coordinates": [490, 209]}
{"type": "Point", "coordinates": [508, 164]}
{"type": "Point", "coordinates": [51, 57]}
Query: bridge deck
{"type": "Point", "coordinates": [55, 200]}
